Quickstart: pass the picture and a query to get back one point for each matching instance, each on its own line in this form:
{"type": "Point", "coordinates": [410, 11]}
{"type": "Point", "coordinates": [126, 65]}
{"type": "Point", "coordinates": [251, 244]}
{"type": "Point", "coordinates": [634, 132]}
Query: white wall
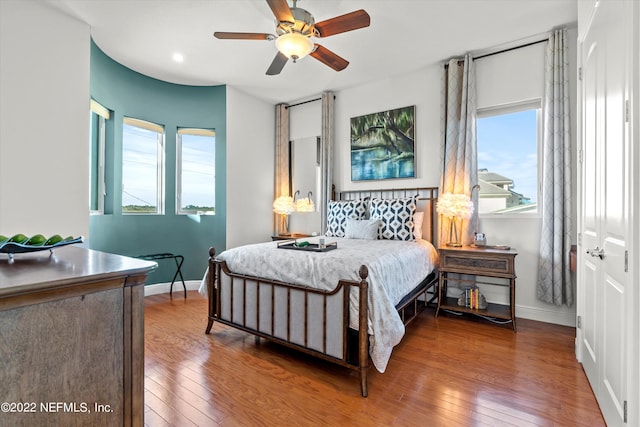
{"type": "Point", "coordinates": [44, 121]}
{"type": "Point", "coordinates": [250, 168]}
{"type": "Point", "coordinates": [305, 120]}
{"type": "Point", "coordinates": [420, 88]}
{"type": "Point", "coordinates": [502, 78]}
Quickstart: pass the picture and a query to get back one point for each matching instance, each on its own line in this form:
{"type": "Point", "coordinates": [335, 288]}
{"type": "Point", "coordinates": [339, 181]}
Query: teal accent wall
{"type": "Point", "coordinates": [131, 94]}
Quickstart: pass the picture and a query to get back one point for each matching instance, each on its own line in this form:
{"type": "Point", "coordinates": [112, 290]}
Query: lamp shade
{"type": "Point", "coordinates": [455, 205]}
{"type": "Point", "coordinates": [305, 205]}
{"type": "Point", "coordinates": [284, 205]}
{"type": "Point", "coordinates": [294, 45]}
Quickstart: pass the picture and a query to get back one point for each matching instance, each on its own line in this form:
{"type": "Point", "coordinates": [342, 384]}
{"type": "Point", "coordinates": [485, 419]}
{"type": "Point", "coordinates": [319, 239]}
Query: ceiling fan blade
{"type": "Point", "coordinates": [277, 65]}
{"type": "Point", "coordinates": [281, 10]}
{"type": "Point", "coordinates": [243, 36]}
{"type": "Point", "coordinates": [329, 58]}
{"type": "Point", "coordinates": [343, 23]}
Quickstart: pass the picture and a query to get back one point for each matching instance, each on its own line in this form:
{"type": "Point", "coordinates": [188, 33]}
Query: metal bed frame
{"type": "Point", "coordinates": [226, 287]}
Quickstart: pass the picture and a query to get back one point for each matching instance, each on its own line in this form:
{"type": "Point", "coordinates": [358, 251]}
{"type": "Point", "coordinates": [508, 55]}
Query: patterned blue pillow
{"type": "Point", "coordinates": [396, 216]}
{"type": "Point", "coordinates": [340, 211]}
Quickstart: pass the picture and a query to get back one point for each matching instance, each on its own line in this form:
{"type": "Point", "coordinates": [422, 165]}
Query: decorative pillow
{"type": "Point", "coordinates": [340, 211]}
{"type": "Point", "coordinates": [417, 225]}
{"type": "Point", "coordinates": [366, 229]}
{"type": "Point", "coordinates": [396, 216]}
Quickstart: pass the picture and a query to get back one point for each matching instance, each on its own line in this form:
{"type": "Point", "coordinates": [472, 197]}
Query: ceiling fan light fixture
{"type": "Point", "coordinates": [294, 45]}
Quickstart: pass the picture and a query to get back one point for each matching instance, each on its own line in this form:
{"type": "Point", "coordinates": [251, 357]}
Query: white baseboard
{"type": "Point", "coordinates": [163, 288]}
{"type": "Point", "coordinates": [500, 295]}
{"type": "Point", "coordinates": [547, 316]}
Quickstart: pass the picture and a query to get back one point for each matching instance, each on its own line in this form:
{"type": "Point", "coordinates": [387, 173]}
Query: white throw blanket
{"type": "Point", "coordinates": [395, 268]}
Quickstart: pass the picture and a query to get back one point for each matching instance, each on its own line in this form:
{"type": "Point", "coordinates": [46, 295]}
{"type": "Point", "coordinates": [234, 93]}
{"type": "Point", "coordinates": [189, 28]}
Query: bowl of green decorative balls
{"type": "Point", "coordinates": [20, 243]}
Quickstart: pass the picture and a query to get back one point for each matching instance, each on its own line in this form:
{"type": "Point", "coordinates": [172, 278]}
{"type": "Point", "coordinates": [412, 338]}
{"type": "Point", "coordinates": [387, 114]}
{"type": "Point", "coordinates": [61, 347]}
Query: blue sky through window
{"type": "Point", "coordinates": [198, 171]}
{"type": "Point", "coordinates": [508, 145]}
{"type": "Point", "coordinates": [139, 167]}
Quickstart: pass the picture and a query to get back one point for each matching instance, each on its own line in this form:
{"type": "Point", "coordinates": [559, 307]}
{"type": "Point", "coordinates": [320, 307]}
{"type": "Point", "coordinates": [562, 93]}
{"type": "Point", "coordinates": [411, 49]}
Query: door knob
{"type": "Point", "coordinates": [596, 252]}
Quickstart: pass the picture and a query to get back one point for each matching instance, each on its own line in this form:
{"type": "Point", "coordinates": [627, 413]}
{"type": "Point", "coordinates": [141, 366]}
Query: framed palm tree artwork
{"type": "Point", "coordinates": [383, 145]}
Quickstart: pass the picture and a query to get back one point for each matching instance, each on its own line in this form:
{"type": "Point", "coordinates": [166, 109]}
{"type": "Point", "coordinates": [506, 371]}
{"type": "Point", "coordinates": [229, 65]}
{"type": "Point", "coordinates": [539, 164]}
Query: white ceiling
{"type": "Point", "coordinates": [405, 35]}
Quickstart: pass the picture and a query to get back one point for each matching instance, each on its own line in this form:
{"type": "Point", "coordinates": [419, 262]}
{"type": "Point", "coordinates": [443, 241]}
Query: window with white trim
{"type": "Point", "coordinates": [142, 167]}
{"type": "Point", "coordinates": [508, 147]}
{"type": "Point", "coordinates": [195, 171]}
{"type": "Point", "coordinates": [98, 117]}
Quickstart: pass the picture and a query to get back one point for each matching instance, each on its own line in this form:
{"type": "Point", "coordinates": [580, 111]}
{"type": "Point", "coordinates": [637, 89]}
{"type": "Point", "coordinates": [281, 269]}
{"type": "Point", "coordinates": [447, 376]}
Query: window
{"type": "Point", "coordinates": [196, 172]}
{"type": "Point", "coordinates": [508, 158]}
{"type": "Point", "coordinates": [142, 167]}
{"type": "Point", "coordinates": [98, 116]}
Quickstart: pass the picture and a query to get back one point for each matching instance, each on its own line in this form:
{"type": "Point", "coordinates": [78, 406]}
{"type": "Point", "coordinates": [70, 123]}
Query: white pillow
{"type": "Point", "coordinates": [366, 229]}
{"type": "Point", "coordinates": [417, 225]}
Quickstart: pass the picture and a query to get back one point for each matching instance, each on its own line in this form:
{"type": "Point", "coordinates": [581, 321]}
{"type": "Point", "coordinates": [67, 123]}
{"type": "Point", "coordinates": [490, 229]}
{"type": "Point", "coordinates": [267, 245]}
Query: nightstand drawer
{"type": "Point", "coordinates": [474, 263]}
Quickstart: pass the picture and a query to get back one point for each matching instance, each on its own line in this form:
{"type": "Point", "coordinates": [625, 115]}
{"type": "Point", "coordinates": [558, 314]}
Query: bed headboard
{"type": "Point", "coordinates": [427, 199]}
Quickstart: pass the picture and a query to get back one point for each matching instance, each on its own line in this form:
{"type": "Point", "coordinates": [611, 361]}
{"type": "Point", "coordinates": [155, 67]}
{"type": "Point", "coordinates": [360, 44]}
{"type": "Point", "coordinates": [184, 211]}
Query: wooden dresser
{"type": "Point", "coordinates": [72, 338]}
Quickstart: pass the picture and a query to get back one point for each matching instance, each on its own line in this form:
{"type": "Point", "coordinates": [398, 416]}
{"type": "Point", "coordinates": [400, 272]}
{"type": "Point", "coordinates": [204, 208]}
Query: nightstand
{"type": "Point", "coordinates": [290, 236]}
{"type": "Point", "coordinates": [479, 262]}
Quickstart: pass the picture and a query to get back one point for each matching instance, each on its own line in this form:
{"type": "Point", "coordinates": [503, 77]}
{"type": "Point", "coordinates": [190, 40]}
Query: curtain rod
{"type": "Point", "coordinates": [446, 65]}
{"type": "Point", "coordinates": [305, 102]}
{"type": "Point", "coordinates": [511, 48]}
{"type": "Point", "coordinates": [301, 103]}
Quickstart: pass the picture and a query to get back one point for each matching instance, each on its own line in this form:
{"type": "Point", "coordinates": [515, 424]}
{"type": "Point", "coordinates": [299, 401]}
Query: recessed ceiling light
{"type": "Point", "coordinates": [178, 57]}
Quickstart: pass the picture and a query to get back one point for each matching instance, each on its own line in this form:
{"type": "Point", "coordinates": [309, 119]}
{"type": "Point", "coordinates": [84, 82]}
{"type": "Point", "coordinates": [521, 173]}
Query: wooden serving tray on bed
{"type": "Point", "coordinates": [311, 247]}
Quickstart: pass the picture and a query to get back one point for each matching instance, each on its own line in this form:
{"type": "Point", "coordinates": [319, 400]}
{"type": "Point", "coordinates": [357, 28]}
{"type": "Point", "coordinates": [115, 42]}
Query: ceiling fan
{"type": "Point", "coordinates": [295, 27]}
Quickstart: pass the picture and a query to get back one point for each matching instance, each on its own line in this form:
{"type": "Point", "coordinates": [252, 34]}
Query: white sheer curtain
{"type": "Point", "coordinates": [459, 150]}
{"type": "Point", "coordinates": [554, 279]}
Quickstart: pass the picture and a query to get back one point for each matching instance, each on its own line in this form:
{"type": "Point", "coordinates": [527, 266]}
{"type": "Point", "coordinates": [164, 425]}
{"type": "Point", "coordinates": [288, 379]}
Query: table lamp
{"type": "Point", "coordinates": [454, 206]}
{"type": "Point", "coordinates": [284, 206]}
{"type": "Point", "coordinates": [305, 204]}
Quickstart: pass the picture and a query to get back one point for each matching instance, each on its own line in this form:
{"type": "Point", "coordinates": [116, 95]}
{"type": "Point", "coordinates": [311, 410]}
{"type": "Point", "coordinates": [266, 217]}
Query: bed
{"type": "Point", "coordinates": [380, 273]}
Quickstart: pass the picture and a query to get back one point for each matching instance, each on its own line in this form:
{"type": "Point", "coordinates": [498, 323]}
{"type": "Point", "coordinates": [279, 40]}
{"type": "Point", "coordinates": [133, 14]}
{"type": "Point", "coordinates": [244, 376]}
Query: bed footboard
{"type": "Point", "coordinates": [311, 320]}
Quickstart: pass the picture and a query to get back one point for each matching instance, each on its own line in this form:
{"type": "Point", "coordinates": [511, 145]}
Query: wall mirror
{"type": "Point", "coordinates": [306, 177]}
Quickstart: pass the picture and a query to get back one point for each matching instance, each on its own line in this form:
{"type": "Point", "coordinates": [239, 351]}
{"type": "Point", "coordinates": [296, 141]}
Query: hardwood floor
{"type": "Point", "coordinates": [446, 372]}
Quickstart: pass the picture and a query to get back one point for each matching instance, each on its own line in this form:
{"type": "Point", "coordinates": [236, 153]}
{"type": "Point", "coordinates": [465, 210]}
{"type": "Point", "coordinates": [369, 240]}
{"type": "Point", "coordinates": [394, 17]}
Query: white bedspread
{"type": "Point", "coordinates": [395, 268]}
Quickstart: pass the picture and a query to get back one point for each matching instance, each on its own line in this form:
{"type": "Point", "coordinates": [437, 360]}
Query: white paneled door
{"type": "Point", "coordinates": [604, 298]}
